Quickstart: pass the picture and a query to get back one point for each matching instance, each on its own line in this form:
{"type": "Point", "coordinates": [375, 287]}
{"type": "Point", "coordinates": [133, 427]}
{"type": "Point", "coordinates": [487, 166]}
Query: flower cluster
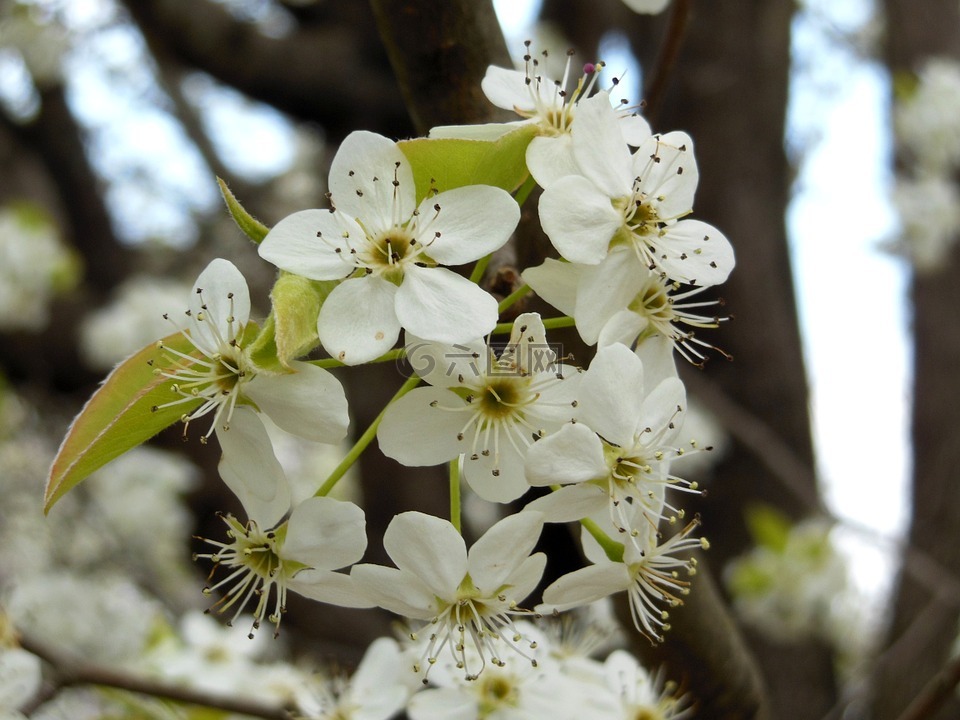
{"type": "Point", "coordinates": [928, 137]}
{"type": "Point", "coordinates": [502, 405]}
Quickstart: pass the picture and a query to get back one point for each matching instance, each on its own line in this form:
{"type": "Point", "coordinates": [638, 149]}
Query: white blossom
{"type": "Point", "coordinates": [929, 211]}
{"type": "Point", "coordinates": [490, 409]}
{"type": "Point", "coordinates": [308, 402]}
{"type": "Point", "coordinates": [624, 211]}
{"type": "Point", "coordinates": [551, 105]}
{"type": "Point", "coordinates": [925, 121]}
{"type": "Point", "coordinates": [468, 599]}
{"type": "Point", "coordinates": [388, 251]}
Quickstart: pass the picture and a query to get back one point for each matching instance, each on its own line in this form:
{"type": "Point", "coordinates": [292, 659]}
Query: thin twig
{"type": "Point", "coordinates": [667, 58]}
{"type": "Point", "coordinates": [68, 671]}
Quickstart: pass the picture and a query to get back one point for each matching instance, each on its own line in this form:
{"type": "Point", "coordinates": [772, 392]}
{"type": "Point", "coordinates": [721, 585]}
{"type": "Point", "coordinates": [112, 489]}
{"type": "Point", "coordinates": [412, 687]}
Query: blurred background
{"type": "Point", "coordinates": [828, 140]}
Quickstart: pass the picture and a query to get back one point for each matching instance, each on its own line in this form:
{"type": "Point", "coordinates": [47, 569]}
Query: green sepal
{"type": "Point", "coordinates": [768, 527]}
{"type": "Point", "coordinates": [248, 224]}
{"type": "Point", "coordinates": [446, 163]}
{"type": "Point", "coordinates": [291, 330]}
{"type": "Point", "coordinates": [119, 416]}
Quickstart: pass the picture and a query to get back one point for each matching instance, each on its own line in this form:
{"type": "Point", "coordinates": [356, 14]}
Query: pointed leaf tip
{"type": "Point", "coordinates": [251, 227]}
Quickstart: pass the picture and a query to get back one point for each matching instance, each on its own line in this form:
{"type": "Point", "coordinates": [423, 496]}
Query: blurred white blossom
{"type": "Point", "coordinates": [131, 320]}
{"type": "Point", "coordinates": [34, 266]}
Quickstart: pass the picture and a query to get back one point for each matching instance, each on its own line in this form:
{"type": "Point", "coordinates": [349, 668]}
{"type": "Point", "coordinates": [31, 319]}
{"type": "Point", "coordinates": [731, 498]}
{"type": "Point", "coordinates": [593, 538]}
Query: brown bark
{"type": "Point", "coordinates": [916, 32]}
{"type": "Point", "coordinates": [729, 91]}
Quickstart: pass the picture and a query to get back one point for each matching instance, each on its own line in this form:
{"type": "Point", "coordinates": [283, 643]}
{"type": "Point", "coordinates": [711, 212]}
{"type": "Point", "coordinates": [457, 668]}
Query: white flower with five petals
{"type": "Point", "coordinates": [624, 210]}
{"type": "Point", "coordinates": [309, 402]}
{"type": "Point", "coordinates": [490, 409]}
{"type": "Point", "coordinates": [388, 252]}
{"type": "Point", "coordinates": [467, 598]}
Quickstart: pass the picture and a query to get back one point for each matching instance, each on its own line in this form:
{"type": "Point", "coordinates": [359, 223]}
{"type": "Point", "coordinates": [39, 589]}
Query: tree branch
{"type": "Point", "coordinates": [69, 671]}
{"type": "Point", "coordinates": [439, 53]}
{"type": "Point", "coordinates": [667, 58]}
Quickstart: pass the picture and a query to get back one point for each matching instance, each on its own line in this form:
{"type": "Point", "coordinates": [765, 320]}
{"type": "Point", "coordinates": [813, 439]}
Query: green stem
{"type": "Point", "coordinates": [524, 192]}
{"type": "Point", "coordinates": [548, 324]}
{"type": "Point", "coordinates": [480, 268]}
{"type": "Point", "coordinates": [455, 492]}
{"type": "Point", "coordinates": [386, 357]}
{"type": "Point", "coordinates": [514, 297]}
{"type": "Point", "coordinates": [364, 440]}
{"type": "Point", "coordinates": [612, 548]}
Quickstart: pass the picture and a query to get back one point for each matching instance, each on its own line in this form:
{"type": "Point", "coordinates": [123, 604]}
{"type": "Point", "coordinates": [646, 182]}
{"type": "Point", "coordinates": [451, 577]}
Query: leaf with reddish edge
{"type": "Point", "coordinates": [119, 416]}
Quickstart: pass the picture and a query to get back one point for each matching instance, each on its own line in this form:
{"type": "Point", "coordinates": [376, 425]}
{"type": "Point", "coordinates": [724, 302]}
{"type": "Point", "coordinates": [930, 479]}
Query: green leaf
{"type": "Point", "coordinates": [119, 416]}
{"type": "Point", "coordinates": [768, 527]}
{"type": "Point", "coordinates": [251, 227]}
{"type": "Point", "coordinates": [448, 163]}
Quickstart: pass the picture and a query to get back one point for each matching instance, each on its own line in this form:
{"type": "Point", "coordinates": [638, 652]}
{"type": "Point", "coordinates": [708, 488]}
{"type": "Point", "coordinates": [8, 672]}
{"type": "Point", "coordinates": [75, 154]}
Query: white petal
{"type": "Point", "coordinates": [600, 148]}
{"type": "Point", "coordinates": [508, 89]}
{"type": "Point", "coordinates": [502, 549]}
{"type": "Point", "coordinates": [437, 304]}
{"type": "Point", "coordinates": [573, 454]}
{"type": "Point", "coordinates": [361, 181]}
{"type": "Point", "coordinates": [442, 704]}
{"type": "Point", "coordinates": [624, 327]}
{"type": "Point", "coordinates": [381, 662]}
{"type": "Point", "coordinates": [558, 398]}
{"type": "Point", "coordinates": [251, 470]}
{"type": "Point", "coordinates": [330, 587]}
{"type": "Point", "coordinates": [525, 580]}
{"type": "Point", "coordinates": [607, 288]}
{"type": "Point", "coordinates": [358, 321]}
{"type": "Point", "coordinates": [694, 252]}
{"type": "Point", "coordinates": [309, 403]}
{"type": "Point", "coordinates": [504, 487]}
{"type": "Point", "coordinates": [556, 282]}
{"type": "Point", "coordinates": [664, 406]}
{"type": "Point", "coordinates": [635, 129]}
{"type": "Point", "coordinates": [325, 534]}
{"type": "Point", "coordinates": [656, 352]}
{"type": "Point", "coordinates": [585, 586]}
{"type": "Point", "coordinates": [671, 178]}
{"type": "Point", "coordinates": [571, 503]}
{"type": "Point", "coordinates": [473, 221]}
{"type": "Point", "coordinates": [612, 391]}
{"type": "Point", "coordinates": [551, 158]}
{"type": "Point", "coordinates": [415, 432]}
{"type": "Point", "coordinates": [444, 365]}
{"type": "Point", "coordinates": [579, 219]}
{"type": "Point", "coordinates": [305, 244]}
{"type": "Point", "coordinates": [20, 677]}
{"type": "Point", "coordinates": [649, 7]}
{"type": "Point", "coordinates": [395, 590]}
{"type": "Point", "coordinates": [429, 548]}
{"type": "Point", "coordinates": [219, 306]}
{"type": "Point", "coordinates": [527, 351]}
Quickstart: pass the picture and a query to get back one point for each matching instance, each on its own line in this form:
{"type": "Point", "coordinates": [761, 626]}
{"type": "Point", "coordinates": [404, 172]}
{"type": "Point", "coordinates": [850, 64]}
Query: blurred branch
{"type": "Point", "coordinates": [440, 53]}
{"type": "Point", "coordinates": [705, 653]}
{"type": "Point", "coordinates": [327, 74]}
{"type": "Point", "coordinates": [57, 138]}
{"type": "Point", "coordinates": [935, 694]}
{"type": "Point", "coordinates": [69, 671]}
{"type": "Point", "coordinates": [666, 59]}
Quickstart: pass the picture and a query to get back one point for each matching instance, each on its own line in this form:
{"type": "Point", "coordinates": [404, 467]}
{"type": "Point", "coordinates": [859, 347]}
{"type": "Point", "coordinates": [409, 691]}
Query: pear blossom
{"type": "Point", "coordinates": [377, 690]}
{"type": "Point", "coordinates": [309, 402]}
{"type": "Point", "coordinates": [647, 570]}
{"type": "Point", "coordinates": [20, 677]}
{"type": "Point", "coordinates": [468, 599]}
{"type": "Point", "coordinates": [265, 558]}
{"type": "Point", "coordinates": [623, 211]}
{"type": "Point", "coordinates": [551, 106]}
{"type": "Point", "coordinates": [635, 693]}
{"type": "Point", "coordinates": [388, 251]}
{"type": "Point", "coordinates": [627, 305]}
{"type": "Point", "coordinates": [616, 457]}
{"type": "Point", "coordinates": [491, 409]}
